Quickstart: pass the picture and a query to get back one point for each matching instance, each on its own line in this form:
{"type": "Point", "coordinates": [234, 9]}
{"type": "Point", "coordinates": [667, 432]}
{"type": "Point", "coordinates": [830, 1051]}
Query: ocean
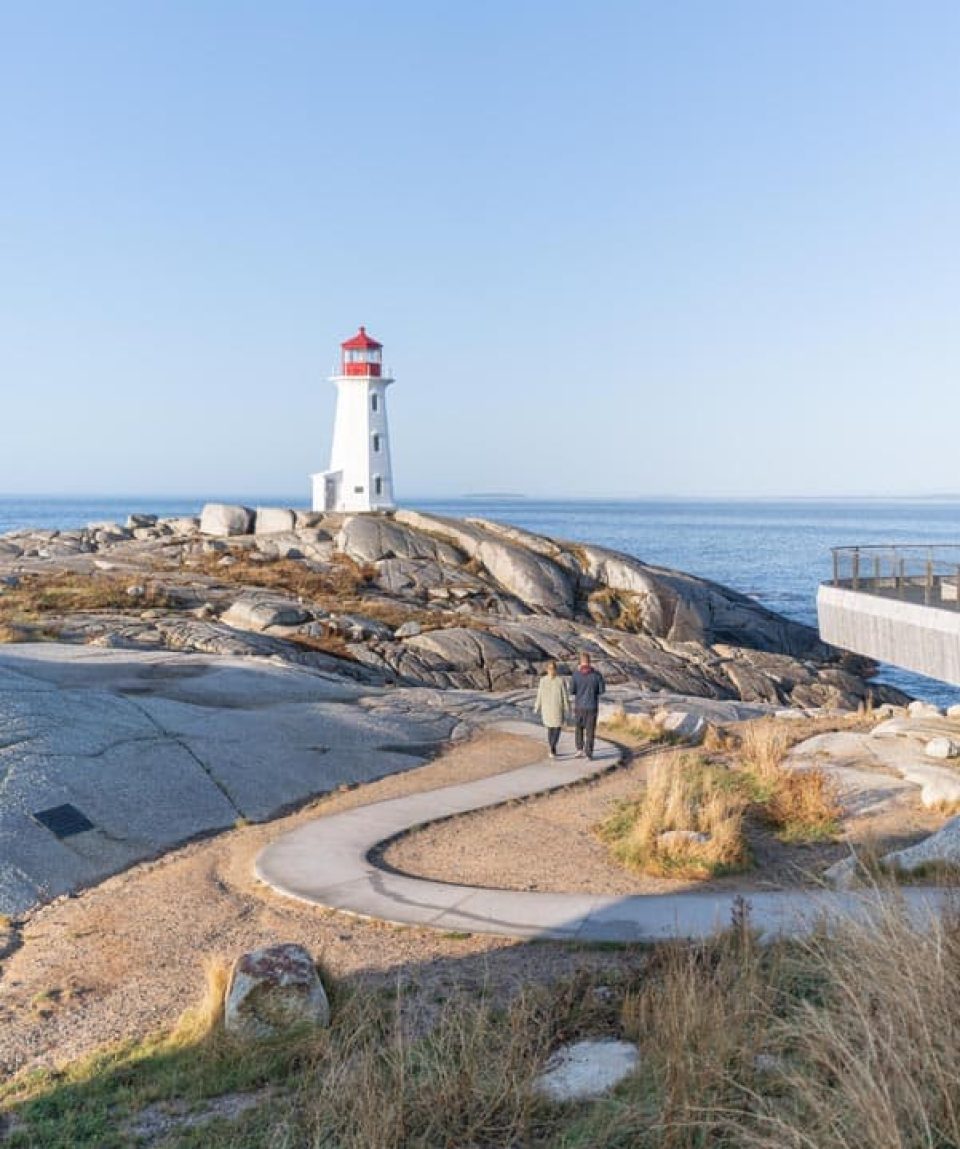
{"type": "Point", "coordinates": [775, 551]}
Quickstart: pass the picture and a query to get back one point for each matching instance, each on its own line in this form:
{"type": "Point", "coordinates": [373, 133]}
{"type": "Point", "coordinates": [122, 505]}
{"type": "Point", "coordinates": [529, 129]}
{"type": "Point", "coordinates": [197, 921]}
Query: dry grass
{"type": "Point", "coordinates": [643, 729]}
{"type": "Point", "coordinates": [466, 1082]}
{"type": "Point", "coordinates": [343, 586]}
{"type": "Point", "coordinates": [803, 805]}
{"type": "Point", "coordinates": [31, 610]}
{"type": "Point", "coordinates": [763, 745]}
{"type": "Point", "coordinates": [203, 1019]}
{"type": "Point", "coordinates": [13, 633]}
{"type": "Point", "coordinates": [844, 1040]}
{"type": "Point", "coordinates": [341, 579]}
{"type": "Point", "coordinates": [688, 795]}
{"type": "Point", "coordinates": [740, 774]}
{"type": "Point", "coordinates": [873, 1059]}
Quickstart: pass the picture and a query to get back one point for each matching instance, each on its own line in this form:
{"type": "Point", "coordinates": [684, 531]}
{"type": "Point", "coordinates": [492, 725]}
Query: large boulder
{"type": "Point", "coordinates": [684, 724]}
{"type": "Point", "coordinates": [463, 535]}
{"type": "Point", "coordinates": [273, 520]}
{"type": "Point", "coordinates": [272, 990]}
{"type": "Point", "coordinates": [224, 519]}
{"type": "Point", "coordinates": [254, 611]}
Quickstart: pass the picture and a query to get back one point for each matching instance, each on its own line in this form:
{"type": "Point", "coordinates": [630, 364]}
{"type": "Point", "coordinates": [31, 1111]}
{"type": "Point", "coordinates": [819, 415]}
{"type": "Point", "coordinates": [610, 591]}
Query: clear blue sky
{"type": "Point", "coordinates": [624, 248]}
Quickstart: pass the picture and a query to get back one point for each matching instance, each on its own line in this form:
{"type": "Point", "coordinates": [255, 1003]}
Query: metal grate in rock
{"type": "Point", "coordinates": [64, 821]}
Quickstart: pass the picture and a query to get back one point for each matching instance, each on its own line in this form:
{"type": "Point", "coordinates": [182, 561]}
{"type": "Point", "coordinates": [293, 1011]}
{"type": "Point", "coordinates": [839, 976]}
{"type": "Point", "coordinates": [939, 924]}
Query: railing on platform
{"type": "Point", "coordinates": [915, 572]}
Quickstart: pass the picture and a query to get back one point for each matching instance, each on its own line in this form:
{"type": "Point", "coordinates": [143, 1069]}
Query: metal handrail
{"type": "Point", "coordinates": [901, 570]}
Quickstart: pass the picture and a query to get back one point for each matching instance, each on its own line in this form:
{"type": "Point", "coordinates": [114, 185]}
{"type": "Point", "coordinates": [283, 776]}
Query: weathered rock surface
{"type": "Point", "coordinates": [154, 748]}
{"type": "Point", "coordinates": [872, 768]}
{"type": "Point", "coordinates": [272, 990]}
{"type": "Point", "coordinates": [684, 724]}
{"type": "Point", "coordinates": [587, 1069]}
{"type": "Point", "coordinates": [940, 849]}
{"type": "Point", "coordinates": [918, 709]}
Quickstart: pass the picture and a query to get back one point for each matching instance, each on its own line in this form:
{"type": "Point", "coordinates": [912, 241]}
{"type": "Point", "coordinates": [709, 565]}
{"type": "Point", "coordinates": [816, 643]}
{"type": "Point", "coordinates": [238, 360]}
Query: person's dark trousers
{"type": "Point", "coordinates": [553, 737]}
{"type": "Point", "coordinates": [584, 730]}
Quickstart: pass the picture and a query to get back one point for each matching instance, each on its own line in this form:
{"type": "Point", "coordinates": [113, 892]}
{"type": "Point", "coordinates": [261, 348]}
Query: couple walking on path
{"type": "Point", "coordinates": [553, 705]}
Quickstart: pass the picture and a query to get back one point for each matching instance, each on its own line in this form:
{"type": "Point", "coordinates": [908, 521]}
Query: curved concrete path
{"type": "Point", "coordinates": [326, 863]}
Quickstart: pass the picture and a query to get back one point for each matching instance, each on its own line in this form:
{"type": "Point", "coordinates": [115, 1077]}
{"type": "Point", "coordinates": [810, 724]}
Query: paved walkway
{"type": "Point", "coordinates": [326, 862]}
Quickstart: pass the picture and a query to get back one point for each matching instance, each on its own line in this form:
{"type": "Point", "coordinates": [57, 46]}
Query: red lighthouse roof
{"type": "Point", "coordinates": [361, 342]}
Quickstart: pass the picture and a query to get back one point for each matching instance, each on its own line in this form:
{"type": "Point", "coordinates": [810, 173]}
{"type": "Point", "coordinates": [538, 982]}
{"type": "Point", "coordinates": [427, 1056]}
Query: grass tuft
{"type": "Point", "coordinates": [804, 804]}
{"type": "Point", "coordinates": [646, 729]}
{"type": "Point", "coordinates": [688, 795]}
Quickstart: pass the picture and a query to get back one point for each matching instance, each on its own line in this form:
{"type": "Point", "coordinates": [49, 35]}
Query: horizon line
{"type": "Point", "coordinates": [492, 496]}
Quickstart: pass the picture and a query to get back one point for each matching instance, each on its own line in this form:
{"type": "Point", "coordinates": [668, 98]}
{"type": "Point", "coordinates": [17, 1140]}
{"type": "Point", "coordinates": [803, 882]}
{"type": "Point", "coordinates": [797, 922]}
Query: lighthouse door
{"type": "Point", "coordinates": [330, 492]}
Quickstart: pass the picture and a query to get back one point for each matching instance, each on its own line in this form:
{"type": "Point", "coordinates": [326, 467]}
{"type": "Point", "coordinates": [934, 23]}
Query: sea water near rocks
{"type": "Point", "coordinates": [775, 551]}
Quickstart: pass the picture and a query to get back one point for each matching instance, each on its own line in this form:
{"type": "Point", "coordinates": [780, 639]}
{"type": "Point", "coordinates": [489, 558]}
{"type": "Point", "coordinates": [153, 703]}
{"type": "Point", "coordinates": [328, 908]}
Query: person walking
{"type": "Point", "coordinates": [552, 704]}
{"type": "Point", "coordinates": [588, 685]}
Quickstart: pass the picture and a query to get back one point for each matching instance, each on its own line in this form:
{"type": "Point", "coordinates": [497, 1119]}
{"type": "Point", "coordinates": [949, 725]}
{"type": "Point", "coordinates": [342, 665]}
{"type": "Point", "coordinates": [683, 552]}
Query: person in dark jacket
{"type": "Point", "coordinates": [587, 687]}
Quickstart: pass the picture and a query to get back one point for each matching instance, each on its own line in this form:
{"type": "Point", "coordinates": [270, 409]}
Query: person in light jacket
{"type": "Point", "coordinates": [553, 705]}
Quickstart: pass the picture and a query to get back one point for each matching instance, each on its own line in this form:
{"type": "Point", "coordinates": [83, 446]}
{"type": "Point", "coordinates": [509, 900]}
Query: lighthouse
{"type": "Point", "coordinates": [359, 476]}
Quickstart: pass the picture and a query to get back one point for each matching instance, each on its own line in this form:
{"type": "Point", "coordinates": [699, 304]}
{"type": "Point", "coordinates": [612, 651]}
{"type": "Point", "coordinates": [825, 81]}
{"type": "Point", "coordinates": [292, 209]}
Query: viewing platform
{"type": "Point", "coordinates": [897, 603]}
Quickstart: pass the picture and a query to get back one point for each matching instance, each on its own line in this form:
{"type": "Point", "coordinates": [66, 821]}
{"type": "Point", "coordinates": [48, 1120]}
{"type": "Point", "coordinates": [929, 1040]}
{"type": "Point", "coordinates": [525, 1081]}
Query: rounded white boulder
{"type": "Point", "coordinates": [942, 748]}
{"type": "Point", "coordinates": [586, 1069]}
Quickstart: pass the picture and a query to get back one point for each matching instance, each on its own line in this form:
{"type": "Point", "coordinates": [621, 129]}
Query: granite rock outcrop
{"type": "Point", "coordinates": [418, 599]}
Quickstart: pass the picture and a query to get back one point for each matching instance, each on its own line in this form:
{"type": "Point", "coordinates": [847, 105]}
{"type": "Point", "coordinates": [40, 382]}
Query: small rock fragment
{"type": "Point", "coordinates": [586, 1069]}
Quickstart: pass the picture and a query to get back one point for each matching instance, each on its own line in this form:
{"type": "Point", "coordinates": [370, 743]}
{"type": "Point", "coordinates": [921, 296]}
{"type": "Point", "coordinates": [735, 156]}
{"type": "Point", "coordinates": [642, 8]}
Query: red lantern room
{"type": "Point", "coordinates": [362, 355]}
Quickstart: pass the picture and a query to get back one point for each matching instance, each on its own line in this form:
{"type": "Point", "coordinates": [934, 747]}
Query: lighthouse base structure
{"type": "Point", "coordinates": [329, 495]}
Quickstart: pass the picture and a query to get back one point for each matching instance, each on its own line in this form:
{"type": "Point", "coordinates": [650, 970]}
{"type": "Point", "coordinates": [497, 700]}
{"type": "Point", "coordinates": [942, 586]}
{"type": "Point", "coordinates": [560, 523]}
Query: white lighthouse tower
{"type": "Point", "coordinates": [359, 477]}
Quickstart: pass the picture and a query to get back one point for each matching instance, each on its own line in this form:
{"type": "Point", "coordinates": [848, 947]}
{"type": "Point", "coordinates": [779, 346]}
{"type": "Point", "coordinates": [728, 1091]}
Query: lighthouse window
{"type": "Point", "coordinates": [376, 442]}
{"type": "Point", "coordinates": [378, 485]}
{"type": "Point", "coordinates": [374, 402]}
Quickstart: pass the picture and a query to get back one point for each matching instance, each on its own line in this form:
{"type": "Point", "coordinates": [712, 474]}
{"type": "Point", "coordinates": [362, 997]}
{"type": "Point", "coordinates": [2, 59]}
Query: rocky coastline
{"type": "Point", "coordinates": [413, 599]}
